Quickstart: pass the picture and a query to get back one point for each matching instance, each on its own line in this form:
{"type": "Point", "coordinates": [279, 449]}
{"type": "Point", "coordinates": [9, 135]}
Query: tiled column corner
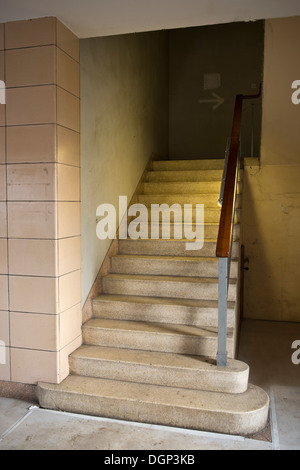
{"type": "Point", "coordinates": [4, 303]}
{"type": "Point", "coordinates": [42, 198]}
{"type": "Point", "coordinates": [68, 194]}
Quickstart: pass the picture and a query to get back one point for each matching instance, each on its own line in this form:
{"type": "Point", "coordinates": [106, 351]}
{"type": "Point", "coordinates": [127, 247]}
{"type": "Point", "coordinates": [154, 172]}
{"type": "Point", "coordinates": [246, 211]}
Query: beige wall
{"type": "Point", "coordinates": [40, 254]}
{"type": "Point", "coordinates": [271, 211]}
{"type": "Point", "coordinates": [124, 93]}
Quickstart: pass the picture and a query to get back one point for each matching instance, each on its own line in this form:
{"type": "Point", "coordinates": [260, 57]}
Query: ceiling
{"type": "Point", "coordinates": [92, 18]}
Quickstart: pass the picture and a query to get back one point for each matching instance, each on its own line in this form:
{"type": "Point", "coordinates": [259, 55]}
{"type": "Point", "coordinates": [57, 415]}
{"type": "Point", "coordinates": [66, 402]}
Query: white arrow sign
{"type": "Point", "coordinates": [216, 99]}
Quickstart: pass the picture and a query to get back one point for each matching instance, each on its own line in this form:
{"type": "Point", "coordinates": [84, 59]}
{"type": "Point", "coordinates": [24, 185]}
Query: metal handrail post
{"type": "Point", "coordinates": [222, 312]}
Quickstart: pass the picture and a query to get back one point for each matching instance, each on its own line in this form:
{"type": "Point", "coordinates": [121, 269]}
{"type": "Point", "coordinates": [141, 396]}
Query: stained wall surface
{"type": "Point", "coordinates": [271, 210]}
{"type": "Point", "coordinates": [124, 93]}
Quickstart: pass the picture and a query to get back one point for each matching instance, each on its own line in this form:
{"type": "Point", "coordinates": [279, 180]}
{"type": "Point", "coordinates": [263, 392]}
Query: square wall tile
{"type": "Point", "coordinates": [34, 331]}
{"type": "Point", "coordinates": [31, 105]}
{"type": "Point", "coordinates": [31, 144]}
{"type": "Point", "coordinates": [2, 183]}
{"type": "Point", "coordinates": [68, 183]}
{"type": "Point", "coordinates": [68, 110]}
{"type": "Point", "coordinates": [31, 66]}
{"type": "Point", "coordinates": [68, 73]}
{"type": "Point", "coordinates": [69, 255]}
{"type": "Point", "coordinates": [28, 33]}
{"type": "Point", "coordinates": [33, 294]}
{"type": "Point", "coordinates": [67, 41]}
{"type": "Point", "coordinates": [3, 220]}
{"type": "Point", "coordinates": [68, 219]}
{"type": "Point", "coordinates": [4, 328]}
{"type": "Point", "coordinates": [70, 325]}
{"type": "Point", "coordinates": [69, 288]}
{"type": "Point", "coordinates": [3, 256]}
{"type": "Point", "coordinates": [32, 220]}
{"type": "Point", "coordinates": [2, 145]}
{"type": "Point", "coordinates": [3, 292]}
{"type": "Point", "coordinates": [31, 182]}
{"type": "Point", "coordinates": [33, 366]}
{"type": "Point", "coordinates": [68, 146]}
{"type": "Point", "coordinates": [32, 257]}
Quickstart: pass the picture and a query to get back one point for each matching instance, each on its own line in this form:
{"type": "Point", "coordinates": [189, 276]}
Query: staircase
{"type": "Point", "coordinates": [149, 352]}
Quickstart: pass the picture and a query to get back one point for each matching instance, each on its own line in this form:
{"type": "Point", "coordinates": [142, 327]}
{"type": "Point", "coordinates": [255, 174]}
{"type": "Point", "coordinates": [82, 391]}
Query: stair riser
{"type": "Point", "coordinates": [206, 187]}
{"type": "Point", "coordinates": [160, 342]}
{"type": "Point", "coordinates": [168, 267]}
{"type": "Point", "coordinates": [152, 413]}
{"type": "Point", "coordinates": [171, 165]}
{"type": "Point", "coordinates": [179, 315]}
{"type": "Point", "coordinates": [169, 248]}
{"type": "Point", "coordinates": [210, 216]}
{"type": "Point", "coordinates": [209, 200]}
{"type": "Point", "coordinates": [177, 290]}
{"type": "Point", "coordinates": [185, 187]}
{"type": "Point", "coordinates": [158, 375]}
{"type": "Point", "coordinates": [179, 231]}
{"type": "Point", "coordinates": [184, 176]}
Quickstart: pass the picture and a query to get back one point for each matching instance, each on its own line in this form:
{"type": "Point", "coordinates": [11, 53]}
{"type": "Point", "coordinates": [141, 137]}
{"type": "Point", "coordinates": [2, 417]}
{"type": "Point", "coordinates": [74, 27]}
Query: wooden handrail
{"type": "Point", "coordinates": [225, 227]}
{"type": "Point", "coordinates": [224, 235]}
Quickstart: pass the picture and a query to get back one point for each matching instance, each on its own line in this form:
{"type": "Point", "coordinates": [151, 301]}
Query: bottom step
{"type": "Point", "coordinates": [240, 414]}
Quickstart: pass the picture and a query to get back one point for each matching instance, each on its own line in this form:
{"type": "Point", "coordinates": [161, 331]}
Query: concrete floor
{"type": "Point", "coordinates": [265, 346]}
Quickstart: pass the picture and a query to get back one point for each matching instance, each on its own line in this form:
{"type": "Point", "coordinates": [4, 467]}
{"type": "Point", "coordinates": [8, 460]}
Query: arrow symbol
{"type": "Point", "coordinates": [216, 99]}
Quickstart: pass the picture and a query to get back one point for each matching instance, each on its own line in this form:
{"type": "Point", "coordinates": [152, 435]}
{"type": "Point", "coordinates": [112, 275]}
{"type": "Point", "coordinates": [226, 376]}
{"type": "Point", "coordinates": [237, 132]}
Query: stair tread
{"type": "Point", "coordinates": [195, 259]}
{"type": "Point", "coordinates": [160, 300]}
{"type": "Point", "coordinates": [155, 328]}
{"type": "Point", "coordinates": [162, 278]}
{"type": "Point", "coordinates": [155, 358]}
{"type": "Point", "coordinates": [253, 399]}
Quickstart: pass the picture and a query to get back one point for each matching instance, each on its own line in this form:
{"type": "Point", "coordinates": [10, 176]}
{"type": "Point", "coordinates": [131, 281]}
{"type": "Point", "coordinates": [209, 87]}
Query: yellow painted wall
{"type": "Point", "coordinates": [271, 197]}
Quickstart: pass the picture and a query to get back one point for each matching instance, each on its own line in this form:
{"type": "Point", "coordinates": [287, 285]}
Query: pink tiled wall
{"type": "Point", "coordinates": [40, 244]}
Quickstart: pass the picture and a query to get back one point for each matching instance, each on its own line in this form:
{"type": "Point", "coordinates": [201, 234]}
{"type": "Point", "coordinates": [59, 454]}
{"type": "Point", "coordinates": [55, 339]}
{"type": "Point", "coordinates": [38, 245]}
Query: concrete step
{"type": "Point", "coordinates": [202, 313]}
{"type": "Point", "coordinates": [170, 248]}
{"type": "Point", "coordinates": [156, 368]}
{"type": "Point", "coordinates": [206, 187]}
{"type": "Point", "coordinates": [181, 287]}
{"type": "Point", "coordinates": [169, 266]}
{"type": "Point", "coordinates": [243, 413]}
{"type": "Point", "coordinates": [174, 213]}
{"type": "Point", "coordinates": [184, 175]}
{"type": "Point", "coordinates": [179, 230]}
{"type": "Point", "coordinates": [162, 337]}
{"type": "Point", "coordinates": [209, 200]}
{"type": "Point", "coordinates": [171, 165]}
